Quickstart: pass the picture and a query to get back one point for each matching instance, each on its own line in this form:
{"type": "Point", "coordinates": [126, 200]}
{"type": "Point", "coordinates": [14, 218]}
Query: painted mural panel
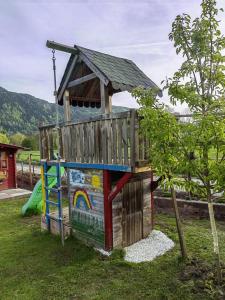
{"type": "Point", "coordinates": [87, 204]}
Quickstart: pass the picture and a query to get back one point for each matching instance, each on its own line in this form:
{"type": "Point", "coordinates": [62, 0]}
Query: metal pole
{"type": "Point", "coordinates": [58, 153]}
{"type": "Point", "coordinates": [56, 103]}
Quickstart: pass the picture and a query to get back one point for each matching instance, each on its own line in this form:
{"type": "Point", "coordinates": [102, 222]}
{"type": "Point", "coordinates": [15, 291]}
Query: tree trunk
{"type": "Point", "coordinates": [179, 225]}
{"type": "Point", "coordinates": [215, 239]}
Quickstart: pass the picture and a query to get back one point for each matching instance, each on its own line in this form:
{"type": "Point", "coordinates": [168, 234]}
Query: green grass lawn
{"type": "Point", "coordinates": [24, 156]}
{"type": "Point", "coordinates": [33, 265]}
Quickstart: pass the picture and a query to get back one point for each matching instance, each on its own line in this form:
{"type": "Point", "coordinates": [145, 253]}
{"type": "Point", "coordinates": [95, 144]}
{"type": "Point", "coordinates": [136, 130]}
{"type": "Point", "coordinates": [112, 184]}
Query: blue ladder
{"type": "Point", "coordinates": [57, 190]}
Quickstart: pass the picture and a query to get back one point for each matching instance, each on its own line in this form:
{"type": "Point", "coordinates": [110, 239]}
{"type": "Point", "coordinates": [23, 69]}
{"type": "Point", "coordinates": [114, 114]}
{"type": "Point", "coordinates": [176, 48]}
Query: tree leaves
{"type": "Point", "coordinates": [199, 83]}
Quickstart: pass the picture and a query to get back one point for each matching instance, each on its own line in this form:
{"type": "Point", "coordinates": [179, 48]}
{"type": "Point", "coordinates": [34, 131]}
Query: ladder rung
{"type": "Point", "coordinates": [54, 218]}
{"type": "Point", "coordinates": [50, 175]}
{"type": "Point", "coordinates": [54, 190]}
{"type": "Point", "coordinates": [52, 202]}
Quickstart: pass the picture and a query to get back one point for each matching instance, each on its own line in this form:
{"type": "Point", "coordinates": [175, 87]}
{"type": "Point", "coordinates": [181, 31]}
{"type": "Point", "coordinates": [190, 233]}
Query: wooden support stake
{"type": "Point", "coordinates": [152, 201]}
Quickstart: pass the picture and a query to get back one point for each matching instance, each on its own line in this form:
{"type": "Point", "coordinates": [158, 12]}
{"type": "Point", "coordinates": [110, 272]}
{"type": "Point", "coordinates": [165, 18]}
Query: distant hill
{"type": "Point", "coordinates": [23, 113]}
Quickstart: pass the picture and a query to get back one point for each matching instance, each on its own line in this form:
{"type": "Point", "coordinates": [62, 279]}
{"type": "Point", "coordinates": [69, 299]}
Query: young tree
{"type": "Point", "coordinates": [165, 154]}
{"type": "Point", "coordinates": [200, 83]}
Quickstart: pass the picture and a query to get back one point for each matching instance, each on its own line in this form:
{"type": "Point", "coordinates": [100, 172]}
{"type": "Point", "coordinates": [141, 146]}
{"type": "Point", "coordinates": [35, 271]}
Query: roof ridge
{"type": "Point", "coordinates": [124, 58]}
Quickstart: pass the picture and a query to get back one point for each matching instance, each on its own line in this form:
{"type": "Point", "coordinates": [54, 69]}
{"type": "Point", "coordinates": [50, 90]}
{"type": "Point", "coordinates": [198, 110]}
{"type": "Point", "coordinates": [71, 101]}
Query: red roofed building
{"type": "Point", "coordinates": [8, 166]}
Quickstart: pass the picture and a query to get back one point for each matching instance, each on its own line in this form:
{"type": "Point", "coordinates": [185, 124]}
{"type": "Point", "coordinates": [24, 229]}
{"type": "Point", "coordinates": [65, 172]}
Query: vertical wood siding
{"type": "Point", "coordinates": [132, 212]}
{"type": "Point", "coordinates": [106, 140]}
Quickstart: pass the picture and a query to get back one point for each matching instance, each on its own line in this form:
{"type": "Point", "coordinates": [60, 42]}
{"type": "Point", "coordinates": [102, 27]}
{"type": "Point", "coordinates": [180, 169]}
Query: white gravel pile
{"type": "Point", "coordinates": [103, 252]}
{"type": "Point", "coordinates": [156, 244]}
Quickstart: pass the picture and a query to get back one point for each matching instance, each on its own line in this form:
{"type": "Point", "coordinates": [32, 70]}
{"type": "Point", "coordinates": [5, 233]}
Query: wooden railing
{"type": "Point", "coordinates": [103, 140]}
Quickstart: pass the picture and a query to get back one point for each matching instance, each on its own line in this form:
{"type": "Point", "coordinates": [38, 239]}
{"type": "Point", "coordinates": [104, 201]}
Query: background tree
{"type": "Point", "coordinates": [17, 139]}
{"type": "Point", "coordinates": [3, 138]}
{"type": "Point", "coordinates": [31, 142]}
{"type": "Point", "coordinates": [27, 143]}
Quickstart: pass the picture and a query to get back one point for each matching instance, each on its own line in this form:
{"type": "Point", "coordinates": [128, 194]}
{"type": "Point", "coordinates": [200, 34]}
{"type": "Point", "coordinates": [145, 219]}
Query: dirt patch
{"type": "Point", "coordinates": [202, 278]}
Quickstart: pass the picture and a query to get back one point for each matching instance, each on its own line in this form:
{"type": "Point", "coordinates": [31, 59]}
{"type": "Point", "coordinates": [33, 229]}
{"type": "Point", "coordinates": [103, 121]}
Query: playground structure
{"type": "Point", "coordinates": [105, 157]}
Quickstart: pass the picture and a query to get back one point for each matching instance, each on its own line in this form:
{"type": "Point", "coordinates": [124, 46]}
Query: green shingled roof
{"type": "Point", "coordinates": [122, 73]}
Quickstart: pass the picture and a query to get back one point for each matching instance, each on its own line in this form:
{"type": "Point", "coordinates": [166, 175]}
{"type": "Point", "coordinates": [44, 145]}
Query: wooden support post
{"type": "Point", "coordinates": [67, 107]}
{"type": "Point", "coordinates": [108, 102]}
{"type": "Point", "coordinates": [106, 99]}
{"type": "Point", "coordinates": [102, 93]}
{"type": "Point", "coordinates": [107, 211]}
{"type": "Point", "coordinates": [30, 171]}
{"type": "Point", "coordinates": [132, 138]}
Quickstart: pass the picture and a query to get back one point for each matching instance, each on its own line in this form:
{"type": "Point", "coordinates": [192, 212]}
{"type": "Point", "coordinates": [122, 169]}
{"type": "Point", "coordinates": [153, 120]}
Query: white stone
{"type": "Point", "coordinates": [156, 244]}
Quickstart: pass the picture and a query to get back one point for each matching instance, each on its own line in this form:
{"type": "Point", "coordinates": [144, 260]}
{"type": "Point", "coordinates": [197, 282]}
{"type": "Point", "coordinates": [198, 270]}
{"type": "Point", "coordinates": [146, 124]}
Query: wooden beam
{"type": "Point", "coordinates": [61, 47]}
{"type": "Point", "coordinates": [67, 106]}
{"type": "Point", "coordinates": [119, 185]}
{"type": "Point", "coordinates": [94, 69]}
{"type": "Point", "coordinates": [84, 99]}
{"type": "Point", "coordinates": [81, 80]}
{"type": "Point", "coordinates": [67, 77]}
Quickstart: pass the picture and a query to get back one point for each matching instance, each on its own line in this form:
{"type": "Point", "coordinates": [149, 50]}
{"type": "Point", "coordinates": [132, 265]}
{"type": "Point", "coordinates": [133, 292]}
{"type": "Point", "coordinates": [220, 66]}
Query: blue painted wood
{"type": "Point", "coordinates": [46, 194]}
{"type": "Point", "coordinates": [57, 190]}
{"type": "Point", "coordinates": [122, 168]}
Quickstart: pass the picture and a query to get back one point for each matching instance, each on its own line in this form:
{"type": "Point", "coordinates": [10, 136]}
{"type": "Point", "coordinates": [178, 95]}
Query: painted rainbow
{"type": "Point", "coordinates": [81, 196]}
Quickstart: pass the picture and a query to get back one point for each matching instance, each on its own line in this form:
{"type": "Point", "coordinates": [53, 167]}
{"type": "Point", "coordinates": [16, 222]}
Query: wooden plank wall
{"type": "Point", "coordinates": [106, 140]}
{"type": "Point", "coordinates": [132, 212]}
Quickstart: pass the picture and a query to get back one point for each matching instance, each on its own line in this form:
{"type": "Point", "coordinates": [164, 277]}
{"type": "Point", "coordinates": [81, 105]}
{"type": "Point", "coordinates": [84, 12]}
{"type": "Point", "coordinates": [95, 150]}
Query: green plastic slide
{"type": "Point", "coordinates": [34, 204]}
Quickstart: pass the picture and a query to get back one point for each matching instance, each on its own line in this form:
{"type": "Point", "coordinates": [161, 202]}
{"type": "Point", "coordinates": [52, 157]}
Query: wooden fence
{"type": "Point", "coordinates": [113, 139]}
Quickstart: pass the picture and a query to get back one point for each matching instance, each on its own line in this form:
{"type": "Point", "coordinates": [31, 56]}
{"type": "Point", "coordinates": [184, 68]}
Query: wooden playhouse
{"type": "Point", "coordinates": [8, 166]}
{"type": "Point", "coordinates": [108, 178]}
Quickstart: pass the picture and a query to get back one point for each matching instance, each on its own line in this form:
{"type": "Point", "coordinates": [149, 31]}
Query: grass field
{"type": "Point", "coordinates": [24, 156]}
{"type": "Point", "coordinates": [33, 265]}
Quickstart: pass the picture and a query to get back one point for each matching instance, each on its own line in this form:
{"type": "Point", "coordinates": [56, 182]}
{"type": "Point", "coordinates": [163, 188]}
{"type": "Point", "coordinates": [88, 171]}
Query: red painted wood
{"type": "Point", "coordinates": [108, 198]}
{"type": "Point", "coordinates": [107, 211]}
{"type": "Point", "coordinates": [11, 170]}
{"type": "Point", "coordinates": [4, 170]}
{"type": "Point", "coordinates": [120, 184]}
{"type": "Point", "coordinates": [8, 156]}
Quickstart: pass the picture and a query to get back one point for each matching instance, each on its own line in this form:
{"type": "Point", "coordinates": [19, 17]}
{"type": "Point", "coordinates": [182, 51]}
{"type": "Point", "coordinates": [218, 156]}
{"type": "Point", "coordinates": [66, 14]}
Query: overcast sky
{"type": "Point", "coordinates": [137, 30]}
